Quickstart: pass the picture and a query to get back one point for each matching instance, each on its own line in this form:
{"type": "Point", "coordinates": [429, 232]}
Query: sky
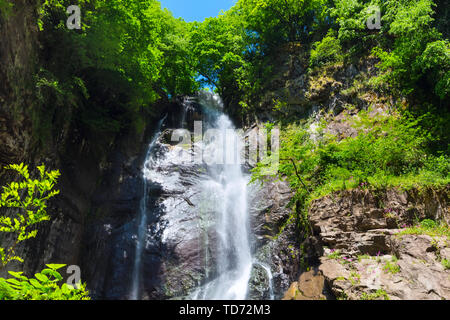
{"type": "Point", "coordinates": [196, 10]}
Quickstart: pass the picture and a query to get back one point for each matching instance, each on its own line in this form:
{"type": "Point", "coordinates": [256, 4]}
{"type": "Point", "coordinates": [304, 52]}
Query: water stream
{"type": "Point", "coordinates": [223, 189]}
{"type": "Point", "coordinates": [142, 227]}
{"type": "Point", "coordinates": [227, 184]}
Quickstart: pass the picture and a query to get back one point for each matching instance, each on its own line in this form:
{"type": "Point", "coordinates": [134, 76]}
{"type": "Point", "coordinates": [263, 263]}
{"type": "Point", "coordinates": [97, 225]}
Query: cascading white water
{"type": "Point", "coordinates": [269, 278]}
{"type": "Point", "coordinates": [142, 226]}
{"type": "Point", "coordinates": [221, 203]}
{"type": "Point", "coordinates": [227, 187]}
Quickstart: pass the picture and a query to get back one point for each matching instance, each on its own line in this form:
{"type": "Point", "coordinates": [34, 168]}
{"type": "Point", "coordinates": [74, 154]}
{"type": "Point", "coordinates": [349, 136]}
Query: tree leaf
{"type": "Point", "coordinates": [18, 275]}
{"type": "Point", "coordinates": [41, 277]}
{"type": "Point", "coordinates": [55, 266]}
{"type": "Point", "coordinates": [53, 273]}
{"type": "Point", "coordinates": [36, 283]}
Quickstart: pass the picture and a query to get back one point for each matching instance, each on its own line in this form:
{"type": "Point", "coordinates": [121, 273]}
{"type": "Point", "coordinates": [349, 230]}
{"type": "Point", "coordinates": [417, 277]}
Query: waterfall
{"type": "Point", "coordinates": [207, 197]}
{"type": "Point", "coordinates": [142, 217]}
{"type": "Point", "coordinates": [227, 185]}
{"type": "Point", "coordinates": [269, 278]}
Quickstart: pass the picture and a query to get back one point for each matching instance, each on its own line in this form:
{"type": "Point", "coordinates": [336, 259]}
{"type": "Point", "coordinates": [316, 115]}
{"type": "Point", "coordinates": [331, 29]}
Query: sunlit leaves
{"type": "Point", "coordinates": [44, 286]}
{"type": "Point", "coordinates": [218, 45]}
{"type": "Point", "coordinates": [273, 22]}
{"type": "Point", "coordinates": [134, 49]}
{"type": "Point", "coordinates": [417, 51]}
{"type": "Point", "coordinates": [28, 199]}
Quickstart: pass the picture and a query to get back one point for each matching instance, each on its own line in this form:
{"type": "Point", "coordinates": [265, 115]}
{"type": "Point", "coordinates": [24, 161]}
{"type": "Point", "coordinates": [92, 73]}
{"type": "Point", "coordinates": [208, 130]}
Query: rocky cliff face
{"type": "Point", "coordinates": [357, 249]}
{"type": "Point", "coordinates": [294, 90]}
{"type": "Point", "coordinates": [367, 252]}
{"type": "Point", "coordinates": [100, 172]}
{"type": "Point", "coordinates": [18, 56]}
{"type": "Point", "coordinates": [277, 241]}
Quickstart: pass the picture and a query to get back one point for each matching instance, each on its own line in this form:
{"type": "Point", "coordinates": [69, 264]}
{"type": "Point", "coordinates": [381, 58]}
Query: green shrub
{"type": "Point", "coordinates": [44, 286]}
{"type": "Point", "coordinates": [27, 199]}
{"type": "Point", "coordinates": [429, 224]}
{"type": "Point", "coordinates": [326, 50]}
{"type": "Point", "coordinates": [390, 150]}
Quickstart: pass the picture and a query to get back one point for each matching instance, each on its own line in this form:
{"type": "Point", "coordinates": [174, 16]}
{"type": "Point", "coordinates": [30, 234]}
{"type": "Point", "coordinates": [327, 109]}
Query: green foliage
{"type": "Point", "coordinates": [217, 44]}
{"type": "Point", "coordinates": [44, 286]}
{"type": "Point", "coordinates": [429, 224]}
{"type": "Point", "coordinates": [5, 8]}
{"type": "Point", "coordinates": [390, 150]}
{"type": "Point", "coordinates": [418, 53]}
{"type": "Point", "coordinates": [446, 264]}
{"type": "Point", "coordinates": [392, 266]}
{"type": "Point", "coordinates": [435, 63]}
{"type": "Point", "coordinates": [428, 227]}
{"type": "Point", "coordinates": [127, 56]}
{"type": "Point", "coordinates": [380, 293]}
{"type": "Point", "coordinates": [351, 18]}
{"type": "Point", "coordinates": [414, 55]}
{"type": "Point", "coordinates": [327, 50]}
{"type": "Point", "coordinates": [269, 23]}
{"type": "Point", "coordinates": [28, 198]}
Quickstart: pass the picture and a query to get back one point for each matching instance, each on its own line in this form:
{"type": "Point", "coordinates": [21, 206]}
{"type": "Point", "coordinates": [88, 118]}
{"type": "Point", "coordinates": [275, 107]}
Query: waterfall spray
{"type": "Point", "coordinates": [142, 226]}
{"type": "Point", "coordinates": [228, 187]}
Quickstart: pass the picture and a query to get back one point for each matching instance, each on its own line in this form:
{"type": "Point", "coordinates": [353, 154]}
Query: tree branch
{"type": "Point", "coordinates": [297, 174]}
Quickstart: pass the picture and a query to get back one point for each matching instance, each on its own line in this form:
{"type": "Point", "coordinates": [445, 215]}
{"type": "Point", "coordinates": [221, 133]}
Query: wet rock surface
{"type": "Point", "coordinates": [276, 241]}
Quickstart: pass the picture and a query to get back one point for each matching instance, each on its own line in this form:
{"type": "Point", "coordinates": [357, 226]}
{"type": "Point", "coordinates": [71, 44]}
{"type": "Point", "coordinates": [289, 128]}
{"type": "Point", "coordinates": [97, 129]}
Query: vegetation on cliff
{"type": "Point", "coordinates": [413, 54]}
{"type": "Point", "coordinates": [129, 54]}
{"type": "Point", "coordinates": [401, 81]}
{"type": "Point", "coordinates": [126, 56]}
{"type": "Point", "coordinates": [385, 150]}
{"type": "Point", "coordinates": [130, 58]}
{"type": "Point", "coordinates": [27, 199]}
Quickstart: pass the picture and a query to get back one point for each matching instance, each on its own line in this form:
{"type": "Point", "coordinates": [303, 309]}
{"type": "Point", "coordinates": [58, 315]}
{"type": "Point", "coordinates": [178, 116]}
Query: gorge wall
{"type": "Point", "coordinates": [365, 251]}
{"type": "Point", "coordinates": [94, 217]}
{"type": "Point", "coordinates": [92, 168]}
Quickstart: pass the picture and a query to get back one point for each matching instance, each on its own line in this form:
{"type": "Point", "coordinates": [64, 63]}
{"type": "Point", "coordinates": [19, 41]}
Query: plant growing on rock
{"type": "Point", "coordinates": [335, 254]}
{"type": "Point", "coordinates": [325, 51]}
{"type": "Point", "coordinates": [28, 198]}
{"type": "Point", "coordinates": [25, 205]}
{"type": "Point", "coordinates": [392, 266]}
{"type": "Point", "coordinates": [355, 278]}
{"type": "Point", "coordinates": [389, 150]}
{"type": "Point", "coordinates": [380, 293]}
{"type": "Point", "coordinates": [446, 264]}
{"type": "Point", "coordinates": [428, 227]}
